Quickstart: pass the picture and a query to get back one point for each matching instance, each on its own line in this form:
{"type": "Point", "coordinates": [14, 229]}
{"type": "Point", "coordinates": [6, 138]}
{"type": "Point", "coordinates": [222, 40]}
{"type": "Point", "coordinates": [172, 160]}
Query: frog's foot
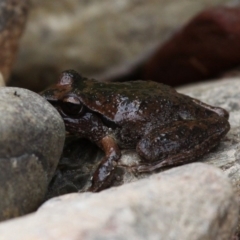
{"type": "Point", "coordinates": [104, 174]}
{"type": "Point", "coordinates": [181, 142]}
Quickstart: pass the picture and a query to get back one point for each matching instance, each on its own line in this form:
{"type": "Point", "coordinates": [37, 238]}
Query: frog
{"type": "Point", "coordinates": [166, 128]}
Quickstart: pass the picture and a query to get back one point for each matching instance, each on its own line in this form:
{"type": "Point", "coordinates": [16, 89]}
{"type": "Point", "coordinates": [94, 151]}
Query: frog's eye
{"type": "Point", "coordinates": [72, 106]}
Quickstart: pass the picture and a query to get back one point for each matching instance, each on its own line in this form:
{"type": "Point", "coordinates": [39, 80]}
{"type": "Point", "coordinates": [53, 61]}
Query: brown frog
{"type": "Point", "coordinates": [165, 127]}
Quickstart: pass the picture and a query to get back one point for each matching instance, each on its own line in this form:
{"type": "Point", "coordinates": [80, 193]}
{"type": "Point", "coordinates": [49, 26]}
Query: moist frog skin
{"type": "Point", "coordinates": [165, 127]}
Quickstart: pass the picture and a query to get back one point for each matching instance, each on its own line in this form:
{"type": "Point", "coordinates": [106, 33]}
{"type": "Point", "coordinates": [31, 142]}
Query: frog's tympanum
{"type": "Point", "coordinates": [165, 127]}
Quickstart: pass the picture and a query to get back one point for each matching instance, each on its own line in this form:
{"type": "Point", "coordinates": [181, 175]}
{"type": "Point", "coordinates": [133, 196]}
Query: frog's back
{"type": "Point", "coordinates": [135, 100]}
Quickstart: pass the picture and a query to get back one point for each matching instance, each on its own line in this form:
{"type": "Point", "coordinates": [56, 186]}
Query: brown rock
{"type": "Point", "coordinates": [207, 46]}
{"type": "Point", "coordinates": [13, 16]}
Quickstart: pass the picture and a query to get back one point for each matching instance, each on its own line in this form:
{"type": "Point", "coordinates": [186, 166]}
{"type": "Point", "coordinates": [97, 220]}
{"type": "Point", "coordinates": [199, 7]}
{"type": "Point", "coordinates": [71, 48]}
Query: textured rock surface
{"type": "Point", "coordinates": [96, 37]}
{"type": "Point", "coordinates": [206, 47]}
{"type": "Point", "coordinates": [31, 139]}
{"type": "Point", "coordinates": [192, 202]}
{"type": "Point", "coordinates": [13, 17]}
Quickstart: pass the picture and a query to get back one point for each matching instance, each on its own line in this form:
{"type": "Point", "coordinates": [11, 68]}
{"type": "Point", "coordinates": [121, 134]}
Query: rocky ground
{"type": "Point", "coordinates": [195, 201]}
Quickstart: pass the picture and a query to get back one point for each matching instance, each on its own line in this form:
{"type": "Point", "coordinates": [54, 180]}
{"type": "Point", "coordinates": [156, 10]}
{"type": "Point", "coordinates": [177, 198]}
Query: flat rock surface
{"type": "Point", "coordinates": [31, 138]}
{"type": "Point", "coordinates": [195, 201]}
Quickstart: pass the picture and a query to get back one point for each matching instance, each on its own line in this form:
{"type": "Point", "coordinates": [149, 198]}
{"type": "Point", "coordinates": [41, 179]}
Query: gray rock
{"type": "Point", "coordinates": [194, 202]}
{"type": "Point", "coordinates": [31, 138]}
{"type": "Point", "coordinates": [97, 38]}
{"type": "Point", "coordinates": [13, 17]}
{"type": "Point", "coordinates": [224, 93]}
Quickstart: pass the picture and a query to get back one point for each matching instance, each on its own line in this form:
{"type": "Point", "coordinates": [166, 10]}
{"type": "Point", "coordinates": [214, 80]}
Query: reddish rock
{"type": "Point", "coordinates": [206, 47]}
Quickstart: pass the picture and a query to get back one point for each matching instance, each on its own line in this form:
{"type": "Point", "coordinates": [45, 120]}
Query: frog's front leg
{"type": "Point", "coordinates": [103, 174]}
{"type": "Point", "coordinates": [180, 142]}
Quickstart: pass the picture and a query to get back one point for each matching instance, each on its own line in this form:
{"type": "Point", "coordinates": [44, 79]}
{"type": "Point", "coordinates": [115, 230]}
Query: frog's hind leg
{"type": "Point", "coordinates": [180, 142]}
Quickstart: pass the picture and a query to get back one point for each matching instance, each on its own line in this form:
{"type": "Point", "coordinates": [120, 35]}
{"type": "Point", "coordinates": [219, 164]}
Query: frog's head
{"type": "Point", "coordinates": [65, 85]}
{"type": "Point", "coordinates": [67, 97]}
{"type": "Point", "coordinates": [63, 95]}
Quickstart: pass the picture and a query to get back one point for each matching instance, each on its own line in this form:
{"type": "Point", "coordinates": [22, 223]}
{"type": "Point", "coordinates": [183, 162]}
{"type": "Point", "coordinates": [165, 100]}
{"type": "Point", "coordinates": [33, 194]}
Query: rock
{"type": "Point", "coordinates": [195, 201]}
{"type": "Point", "coordinates": [31, 138]}
{"type": "Point", "coordinates": [96, 38]}
{"type": "Point", "coordinates": [206, 47]}
{"type": "Point", "coordinates": [13, 17]}
{"type": "Point", "coordinates": [223, 93]}
{"type": "Point", "coordinates": [2, 83]}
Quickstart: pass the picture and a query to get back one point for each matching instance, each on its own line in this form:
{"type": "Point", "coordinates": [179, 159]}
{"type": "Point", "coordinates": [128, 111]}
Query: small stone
{"type": "Point", "coordinates": [192, 202]}
{"type": "Point", "coordinates": [31, 138]}
{"type": "Point", "coordinates": [206, 47]}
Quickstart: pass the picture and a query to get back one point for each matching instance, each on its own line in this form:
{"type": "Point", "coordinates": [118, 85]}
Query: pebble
{"type": "Point", "coordinates": [31, 138]}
